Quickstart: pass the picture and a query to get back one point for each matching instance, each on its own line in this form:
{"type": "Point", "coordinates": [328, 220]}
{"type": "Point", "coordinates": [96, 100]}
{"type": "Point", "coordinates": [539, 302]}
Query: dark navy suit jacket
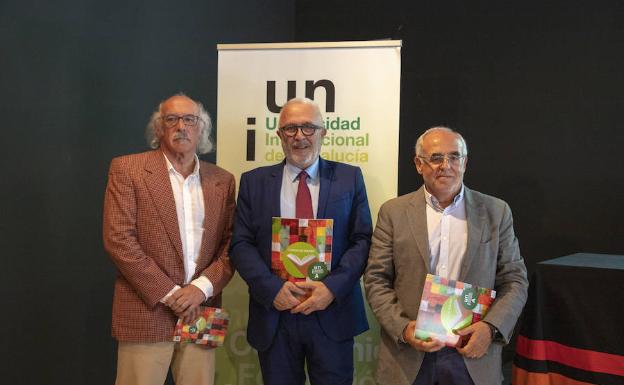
{"type": "Point", "coordinates": [342, 197]}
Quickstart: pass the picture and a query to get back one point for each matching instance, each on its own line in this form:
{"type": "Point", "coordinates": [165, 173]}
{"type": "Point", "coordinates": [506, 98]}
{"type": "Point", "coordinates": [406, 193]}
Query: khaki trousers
{"type": "Point", "coordinates": [148, 363]}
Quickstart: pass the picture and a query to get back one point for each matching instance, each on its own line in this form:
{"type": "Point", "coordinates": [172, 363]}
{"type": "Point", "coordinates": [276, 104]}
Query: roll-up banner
{"type": "Point", "coordinates": [357, 86]}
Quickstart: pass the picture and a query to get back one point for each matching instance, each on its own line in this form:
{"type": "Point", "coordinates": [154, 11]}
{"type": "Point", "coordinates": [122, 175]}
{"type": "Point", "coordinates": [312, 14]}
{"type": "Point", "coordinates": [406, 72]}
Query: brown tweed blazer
{"type": "Point", "coordinates": [142, 237]}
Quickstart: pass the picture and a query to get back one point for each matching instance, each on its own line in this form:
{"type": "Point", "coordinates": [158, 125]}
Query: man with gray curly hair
{"type": "Point", "coordinates": [156, 124]}
{"type": "Point", "coordinates": [167, 228]}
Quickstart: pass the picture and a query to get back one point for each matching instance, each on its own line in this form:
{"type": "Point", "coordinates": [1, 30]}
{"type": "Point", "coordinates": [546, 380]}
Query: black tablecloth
{"type": "Point", "coordinates": [572, 328]}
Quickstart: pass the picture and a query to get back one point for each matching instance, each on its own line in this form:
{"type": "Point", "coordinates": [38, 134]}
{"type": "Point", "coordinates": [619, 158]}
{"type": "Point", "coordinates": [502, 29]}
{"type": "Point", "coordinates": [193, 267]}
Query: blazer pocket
{"type": "Point", "coordinates": [486, 237]}
{"type": "Point", "coordinates": [486, 249]}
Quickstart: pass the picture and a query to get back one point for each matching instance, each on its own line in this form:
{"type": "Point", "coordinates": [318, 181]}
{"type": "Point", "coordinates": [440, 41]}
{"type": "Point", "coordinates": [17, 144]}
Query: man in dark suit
{"type": "Point", "coordinates": [167, 227]}
{"type": "Point", "coordinates": [286, 330]}
{"type": "Point", "coordinates": [447, 229]}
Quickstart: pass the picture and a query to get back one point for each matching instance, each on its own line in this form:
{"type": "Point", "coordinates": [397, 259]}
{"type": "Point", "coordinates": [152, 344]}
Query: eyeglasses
{"type": "Point", "coordinates": [172, 120]}
{"type": "Point", "coordinates": [437, 159]}
{"type": "Point", "coordinates": [307, 129]}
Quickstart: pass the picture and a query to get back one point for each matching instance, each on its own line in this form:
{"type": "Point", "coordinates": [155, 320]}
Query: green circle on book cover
{"type": "Point", "coordinates": [317, 271]}
{"type": "Point", "coordinates": [469, 298]}
{"type": "Point", "coordinates": [452, 316]}
{"type": "Point", "coordinates": [200, 324]}
{"type": "Point", "coordinates": [296, 258]}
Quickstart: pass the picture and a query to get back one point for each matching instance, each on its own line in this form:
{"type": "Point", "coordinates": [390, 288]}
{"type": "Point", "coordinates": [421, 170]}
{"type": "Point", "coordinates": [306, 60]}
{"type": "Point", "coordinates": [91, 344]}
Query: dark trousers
{"type": "Point", "coordinates": [444, 367]}
{"type": "Point", "coordinates": [300, 341]}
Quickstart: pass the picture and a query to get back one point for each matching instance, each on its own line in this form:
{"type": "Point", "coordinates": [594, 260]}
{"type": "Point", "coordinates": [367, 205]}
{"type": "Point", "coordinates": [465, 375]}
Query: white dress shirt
{"type": "Point", "coordinates": [448, 235]}
{"type": "Point", "coordinates": [189, 201]}
{"type": "Point", "coordinates": [290, 184]}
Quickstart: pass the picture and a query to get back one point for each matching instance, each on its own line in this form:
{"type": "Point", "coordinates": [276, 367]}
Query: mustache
{"type": "Point", "coordinates": [180, 135]}
{"type": "Point", "coordinates": [301, 143]}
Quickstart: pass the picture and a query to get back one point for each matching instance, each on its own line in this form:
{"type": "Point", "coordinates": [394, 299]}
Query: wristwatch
{"type": "Point", "coordinates": [495, 333]}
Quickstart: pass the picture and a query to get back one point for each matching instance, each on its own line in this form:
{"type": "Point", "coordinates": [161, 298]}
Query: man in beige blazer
{"type": "Point", "coordinates": [167, 227]}
{"type": "Point", "coordinates": [446, 229]}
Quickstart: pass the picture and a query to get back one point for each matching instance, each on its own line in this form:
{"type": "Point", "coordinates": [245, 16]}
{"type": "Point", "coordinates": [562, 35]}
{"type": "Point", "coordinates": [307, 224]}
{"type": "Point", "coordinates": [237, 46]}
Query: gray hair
{"type": "Point", "coordinates": [154, 127]}
{"type": "Point", "coordinates": [418, 148]}
{"type": "Point", "coordinates": [310, 102]}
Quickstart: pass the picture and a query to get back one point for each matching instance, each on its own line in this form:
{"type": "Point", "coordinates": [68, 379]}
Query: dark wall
{"type": "Point", "coordinates": [78, 81]}
{"type": "Point", "coordinates": [536, 89]}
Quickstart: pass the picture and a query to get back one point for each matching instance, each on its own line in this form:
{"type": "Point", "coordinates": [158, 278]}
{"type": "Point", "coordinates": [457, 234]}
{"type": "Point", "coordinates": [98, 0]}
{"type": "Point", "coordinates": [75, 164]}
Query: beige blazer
{"type": "Point", "coordinates": [399, 262]}
{"type": "Point", "coordinates": [142, 237]}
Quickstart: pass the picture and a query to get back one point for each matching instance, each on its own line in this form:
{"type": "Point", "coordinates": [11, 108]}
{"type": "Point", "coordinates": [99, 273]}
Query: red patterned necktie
{"type": "Point", "coordinates": [304, 199]}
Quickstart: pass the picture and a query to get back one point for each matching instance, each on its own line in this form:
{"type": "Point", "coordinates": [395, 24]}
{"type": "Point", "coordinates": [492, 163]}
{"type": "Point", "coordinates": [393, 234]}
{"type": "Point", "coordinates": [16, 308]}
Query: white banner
{"type": "Point", "coordinates": [357, 86]}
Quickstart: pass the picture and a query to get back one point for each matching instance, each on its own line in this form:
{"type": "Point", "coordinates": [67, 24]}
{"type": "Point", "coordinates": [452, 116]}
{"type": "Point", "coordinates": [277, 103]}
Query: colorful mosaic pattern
{"type": "Point", "coordinates": [208, 329]}
{"type": "Point", "coordinates": [297, 247]}
{"type": "Point", "coordinates": [448, 305]}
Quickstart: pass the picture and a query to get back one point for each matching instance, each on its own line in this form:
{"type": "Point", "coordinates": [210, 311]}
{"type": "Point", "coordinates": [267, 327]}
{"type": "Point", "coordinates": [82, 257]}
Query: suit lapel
{"type": "Point", "coordinates": [159, 186]}
{"type": "Point", "coordinates": [276, 173]}
{"type": "Point", "coordinates": [213, 199]}
{"type": "Point", "coordinates": [475, 216]}
{"type": "Point", "coordinates": [417, 219]}
{"type": "Point", "coordinates": [326, 175]}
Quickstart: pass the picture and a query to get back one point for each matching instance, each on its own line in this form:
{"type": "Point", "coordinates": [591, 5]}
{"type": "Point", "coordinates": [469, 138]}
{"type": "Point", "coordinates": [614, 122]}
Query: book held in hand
{"type": "Point", "coordinates": [448, 305]}
{"type": "Point", "coordinates": [301, 249]}
{"type": "Point", "coordinates": [208, 329]}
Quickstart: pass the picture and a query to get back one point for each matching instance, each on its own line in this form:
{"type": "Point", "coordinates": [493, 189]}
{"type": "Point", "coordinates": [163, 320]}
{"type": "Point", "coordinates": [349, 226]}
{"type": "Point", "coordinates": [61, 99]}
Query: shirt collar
{"type": "Point", "coordinates": [434, 204]}
{"type": "Point", "coordinates": [170, 167]}
{"type": "Point", "coordinates": [293, 171]}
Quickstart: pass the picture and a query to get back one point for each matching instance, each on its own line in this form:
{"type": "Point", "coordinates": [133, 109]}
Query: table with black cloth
{"type": "Point", "coordinates": [572, 328]}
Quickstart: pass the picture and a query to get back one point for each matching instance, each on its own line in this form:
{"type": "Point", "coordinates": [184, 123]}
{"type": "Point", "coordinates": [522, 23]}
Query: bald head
{"type": "Point", "coordinates": [418, 148]}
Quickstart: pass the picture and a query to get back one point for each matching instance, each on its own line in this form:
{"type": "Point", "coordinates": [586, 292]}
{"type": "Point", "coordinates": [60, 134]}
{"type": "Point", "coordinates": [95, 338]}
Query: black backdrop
{"type": "Point", "coordinates": [79, 79]}
{"type": "Point", "coordinates": [534, 87]}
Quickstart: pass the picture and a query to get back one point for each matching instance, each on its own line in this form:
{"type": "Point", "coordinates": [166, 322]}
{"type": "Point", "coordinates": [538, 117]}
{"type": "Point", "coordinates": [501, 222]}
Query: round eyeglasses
{"type": "Point", "coordinates": [172, 120]}
{"type": "Point", "coordinates": [307, 129]}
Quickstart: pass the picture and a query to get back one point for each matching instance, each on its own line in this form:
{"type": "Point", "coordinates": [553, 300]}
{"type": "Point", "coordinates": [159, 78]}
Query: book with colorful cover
{"type": "Point", "coordinates": [208, 329]}
{"type": "Point", "coordinates": [301, 249]}
{"type": "Point", "coordinates": [448, 305]}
